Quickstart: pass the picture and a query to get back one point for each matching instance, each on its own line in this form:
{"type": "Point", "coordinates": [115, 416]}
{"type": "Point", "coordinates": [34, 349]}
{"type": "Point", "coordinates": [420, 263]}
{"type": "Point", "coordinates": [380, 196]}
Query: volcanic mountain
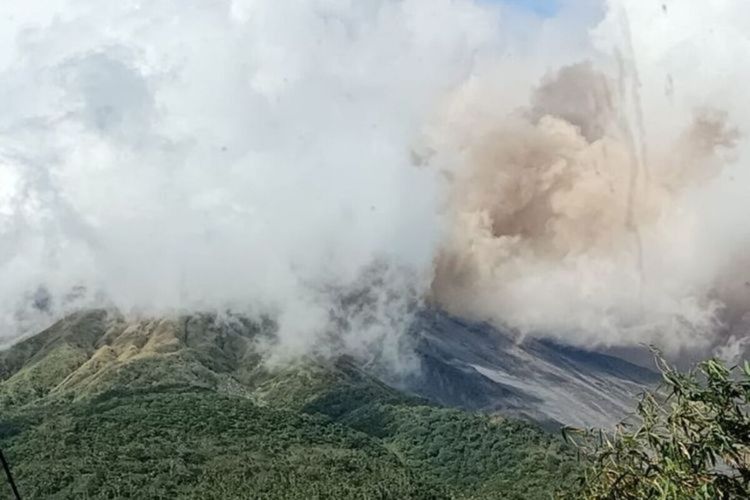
{"type": "Point", "coordinates": [102, 406]}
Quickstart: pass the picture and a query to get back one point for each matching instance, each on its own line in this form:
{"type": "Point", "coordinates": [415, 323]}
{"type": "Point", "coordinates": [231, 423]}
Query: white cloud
{"type": "Point", "coordinates": [175, 155]}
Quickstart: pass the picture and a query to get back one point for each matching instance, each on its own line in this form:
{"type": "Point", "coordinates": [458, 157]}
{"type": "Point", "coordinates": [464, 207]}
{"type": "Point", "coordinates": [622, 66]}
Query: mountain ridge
{"type": "Point", "coordinates": [99, 407]}
{"type": "Point", "coordinates": [463, 364]}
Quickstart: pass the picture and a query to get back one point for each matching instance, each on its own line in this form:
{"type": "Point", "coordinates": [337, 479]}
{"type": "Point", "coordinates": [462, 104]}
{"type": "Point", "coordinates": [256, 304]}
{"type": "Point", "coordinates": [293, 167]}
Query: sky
{"type": "Point", "coordinates": [544, 8]}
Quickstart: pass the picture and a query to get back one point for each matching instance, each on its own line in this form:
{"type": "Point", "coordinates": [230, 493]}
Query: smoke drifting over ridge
{"type": "Point", "coordinates": [169, 156]}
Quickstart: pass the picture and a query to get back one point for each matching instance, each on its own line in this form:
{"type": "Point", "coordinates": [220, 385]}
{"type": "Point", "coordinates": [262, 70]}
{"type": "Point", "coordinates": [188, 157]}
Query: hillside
{"type": "Point", "coordinates": [476, 366]}
{"type": "Point", "coordinates": [100, 407]}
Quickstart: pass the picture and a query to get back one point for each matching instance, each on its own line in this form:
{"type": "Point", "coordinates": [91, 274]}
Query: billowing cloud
{"type": "Point", "coordinates": [608, 209]}
{"type": "Point", "coordinates": [578, 176]}
{"type": "Point", "coordinates": [170, 155]}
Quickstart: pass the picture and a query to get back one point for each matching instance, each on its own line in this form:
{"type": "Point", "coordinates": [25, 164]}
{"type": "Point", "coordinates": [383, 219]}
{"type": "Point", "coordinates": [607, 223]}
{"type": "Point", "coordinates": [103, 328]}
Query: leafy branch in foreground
{"type": "Point", "coordinates": [689, 440]}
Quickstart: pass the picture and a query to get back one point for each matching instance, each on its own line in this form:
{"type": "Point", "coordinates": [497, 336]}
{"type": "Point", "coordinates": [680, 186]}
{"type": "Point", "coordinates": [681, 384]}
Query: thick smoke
{"type": "Point", "coordinates": [558, 230]}
{"type": "Point", "coordinates": [173, 155]}
{"type": "Point", "coordinates": [333, 163]}
{"type": "Point", "coordinates": [607, 211]}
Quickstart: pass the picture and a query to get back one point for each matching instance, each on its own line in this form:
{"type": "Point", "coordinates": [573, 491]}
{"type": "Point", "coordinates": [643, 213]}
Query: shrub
{"type": "Point", "coordinates": [690, 439]}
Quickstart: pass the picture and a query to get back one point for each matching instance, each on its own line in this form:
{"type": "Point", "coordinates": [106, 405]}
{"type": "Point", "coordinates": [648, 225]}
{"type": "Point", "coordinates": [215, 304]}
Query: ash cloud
{"type": "Point", "coordinates": [553, 235]}
{"type": "Point", "coordinates": [335, 164]}
{"type": "Point", "coordinates": [601, 212]}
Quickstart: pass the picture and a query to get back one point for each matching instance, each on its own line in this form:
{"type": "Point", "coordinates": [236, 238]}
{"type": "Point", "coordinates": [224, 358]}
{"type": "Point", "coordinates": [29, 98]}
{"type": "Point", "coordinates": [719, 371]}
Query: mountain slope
{"type": "Point", "coordinates": [477, 367]}
{"type": "Point", "coordinates": [100, 407]}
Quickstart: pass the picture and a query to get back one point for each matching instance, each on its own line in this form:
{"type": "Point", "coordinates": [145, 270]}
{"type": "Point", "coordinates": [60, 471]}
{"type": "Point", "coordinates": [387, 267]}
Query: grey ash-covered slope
{"type": "Point", "coordinates": [477, 367]}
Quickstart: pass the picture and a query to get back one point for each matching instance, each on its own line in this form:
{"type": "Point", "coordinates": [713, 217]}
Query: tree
{"type": "Point", "coordinates": [689, 439]}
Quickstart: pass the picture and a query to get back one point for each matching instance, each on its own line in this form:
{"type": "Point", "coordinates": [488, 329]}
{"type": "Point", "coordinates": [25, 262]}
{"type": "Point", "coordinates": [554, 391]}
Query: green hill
{"type": "Point", "coordinates": [100, 407]}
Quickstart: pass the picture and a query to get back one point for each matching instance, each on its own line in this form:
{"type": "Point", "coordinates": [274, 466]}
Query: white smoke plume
{"type": "Point", "coordinates": [179, 155]}
{"type": "Point", "coordinates": [578, 176]}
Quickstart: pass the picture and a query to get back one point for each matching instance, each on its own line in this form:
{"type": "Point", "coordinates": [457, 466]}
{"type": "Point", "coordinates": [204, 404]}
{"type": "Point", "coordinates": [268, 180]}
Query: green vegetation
{"type": "Point", "coordinates": [196, 445]}
{"type": "Point", "coordinates": [96, 407]}
{"type": "Point", "coordinates": [691, 440]}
